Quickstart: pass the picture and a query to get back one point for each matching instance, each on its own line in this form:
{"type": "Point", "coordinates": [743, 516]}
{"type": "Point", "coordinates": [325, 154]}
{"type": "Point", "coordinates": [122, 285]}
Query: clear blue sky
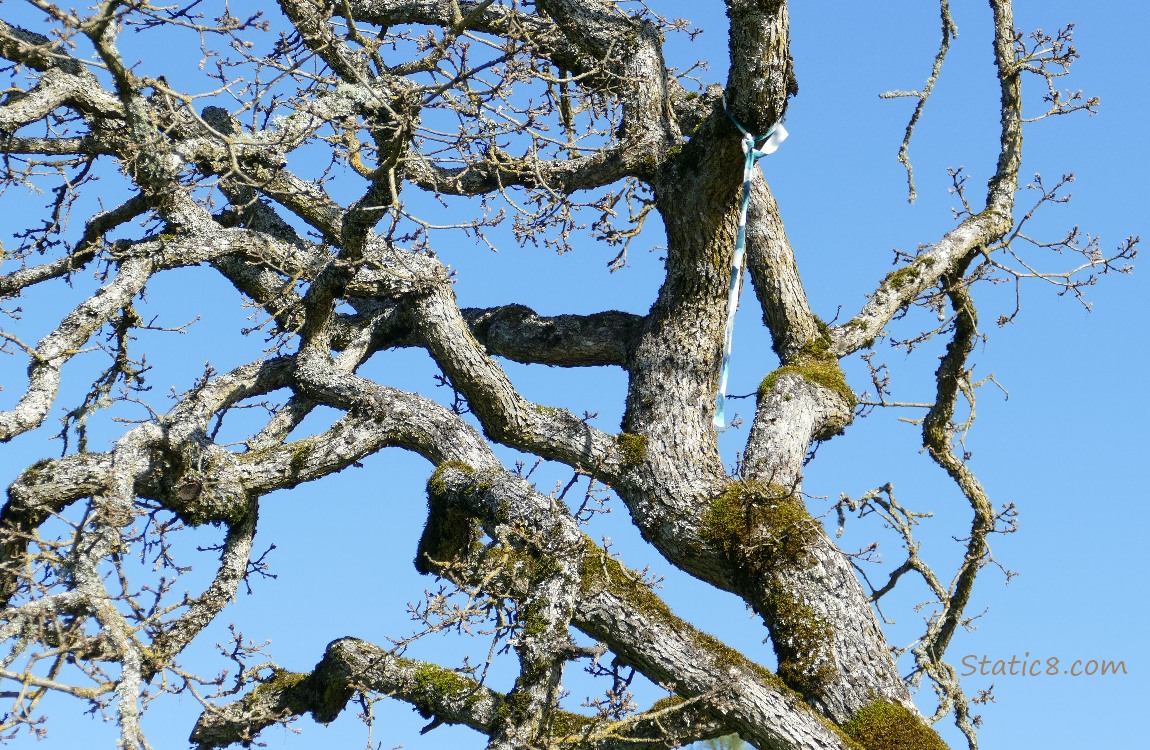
{"type": "Point", "coordinates": [1063, 447]}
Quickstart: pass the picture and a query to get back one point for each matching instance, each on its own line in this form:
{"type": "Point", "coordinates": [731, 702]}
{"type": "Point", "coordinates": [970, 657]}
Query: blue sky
{"type": "Point", "coordinates": [1063, 447]}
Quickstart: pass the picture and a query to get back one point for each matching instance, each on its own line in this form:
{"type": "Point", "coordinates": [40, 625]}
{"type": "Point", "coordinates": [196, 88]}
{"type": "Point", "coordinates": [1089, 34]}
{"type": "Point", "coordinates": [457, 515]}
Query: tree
{"type": "Point", "coordinates": [307, 176]}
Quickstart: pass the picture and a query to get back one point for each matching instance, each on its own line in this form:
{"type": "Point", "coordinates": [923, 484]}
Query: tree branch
{"type": "Point", "coordinates": [519, 333]}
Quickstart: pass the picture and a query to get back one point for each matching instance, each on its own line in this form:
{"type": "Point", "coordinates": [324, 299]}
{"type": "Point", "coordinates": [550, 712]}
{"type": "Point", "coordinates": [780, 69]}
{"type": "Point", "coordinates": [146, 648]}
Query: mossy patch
{"type": "Point", "coordinates": [767, 534]}
{"type": "Point", "coordinates": [534, 613]}
{"type": "Point", "coordinates": [514, 707]}
{"type": "Point", "coordinates": [35, 473]}
{"type": "Point", "coordinates": [801, 639]}
{"type": "Point", "coordinates": [757, 523]}
{"type": "Point", "coordinates": [450, 532]}
{"type": "Point", "coordinates": [816, 363]}
{"type": "Point", "coordinates": [435, 684]}
{"type": "Point", "coordinates": [910, 274]}
{"type": "Point", "coordinates": [436, 484]}
{"type": "Point", "coordinates": [666, 702]}
{"type": "Point", "coordinates": [888, 726]}
{"type": "Point", "coordinates": [732, 659]}
{"type": "Point", "coordinates": [439, 681]}
{"type": "Point", "coordinates": [287, 688]}
{"type": "Point", "coordinates": [300, 454]}
{"type": "Point", "coordinates": [282, 679]}
{"type": "Point", "coordinates": [803, 635]}
{"type": "Point", "coordinates": [602, 572]}
{"type": "Point", "coordinates": [900, 278]}
{"type": "Point", "coordinates": [565, 724]}
{"type": "Point", "coordinates": [634, 448]}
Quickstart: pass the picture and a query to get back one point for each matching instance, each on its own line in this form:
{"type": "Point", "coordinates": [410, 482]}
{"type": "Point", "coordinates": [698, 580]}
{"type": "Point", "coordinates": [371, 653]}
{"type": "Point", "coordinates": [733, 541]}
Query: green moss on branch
{"type": "Point", "coordinates": [634, 448]}
{"type": "Point", "coordinates": [433, 681]}
{"type": "Point", "coordinates": [450, 532]}
{"type": "Point", "coordinates": [436, 484]}
{"type": "Point", "coordinates": [817, 364]}
{"type": "Point", "coordinates": [888, 726]}
{"type": "Point", "coordinates": [767, 534]}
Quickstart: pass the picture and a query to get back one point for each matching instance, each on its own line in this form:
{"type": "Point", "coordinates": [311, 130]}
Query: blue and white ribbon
{"type": "Point", "coordinates": [771, 140]}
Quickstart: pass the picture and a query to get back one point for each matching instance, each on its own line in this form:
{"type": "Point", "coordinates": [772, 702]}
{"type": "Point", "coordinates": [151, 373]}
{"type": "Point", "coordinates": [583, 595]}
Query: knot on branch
{"type": "Point", "coordinates": [323, 693]}
{"type": "Point", "coordinates": [202, 486]}
{"type": "Point", "coordinates": [450, 531]}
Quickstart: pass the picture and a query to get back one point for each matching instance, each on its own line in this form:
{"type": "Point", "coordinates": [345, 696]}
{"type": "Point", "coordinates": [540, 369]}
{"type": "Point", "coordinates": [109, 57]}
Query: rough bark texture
{"type": "Point", "coordinates": [542, 105]}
